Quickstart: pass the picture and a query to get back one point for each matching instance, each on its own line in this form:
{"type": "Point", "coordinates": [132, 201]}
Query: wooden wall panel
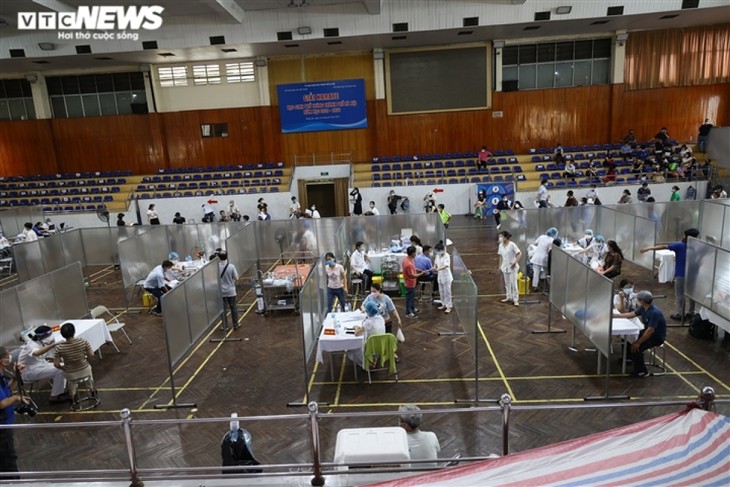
{"type": "Point", "coordinates": [105, 143]}
{"type": "Point", "coordinates": [682, 110]}
{"type": "Point", "coordinates": [27, 147]}
{"type": "Point", "coordinates": [144, 143]}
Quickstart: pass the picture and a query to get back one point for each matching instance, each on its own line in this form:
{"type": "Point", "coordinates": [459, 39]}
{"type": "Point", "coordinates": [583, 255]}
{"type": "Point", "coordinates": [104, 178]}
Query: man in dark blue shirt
{"type": "Point", "coordinates": [653, 335]}
{"type": "Point", "coordinates": [8, 401]}
{"type": "Point", "coordinates": [680, 259]}
{"type": "Point", "coordinates": [424, 264]}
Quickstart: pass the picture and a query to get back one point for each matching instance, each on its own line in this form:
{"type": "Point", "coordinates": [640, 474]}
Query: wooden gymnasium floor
{"type": "Point", "coordinates": [262, 373]}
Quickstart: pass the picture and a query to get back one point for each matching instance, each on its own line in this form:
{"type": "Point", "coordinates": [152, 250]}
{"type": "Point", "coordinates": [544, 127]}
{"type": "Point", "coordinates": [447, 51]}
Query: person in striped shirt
{"type": "Point", "coordinates": [72, 356]}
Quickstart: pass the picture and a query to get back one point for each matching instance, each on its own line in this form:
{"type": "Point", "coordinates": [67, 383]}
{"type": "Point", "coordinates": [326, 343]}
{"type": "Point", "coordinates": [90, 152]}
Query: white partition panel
{"type": "Point", "coordinates": [213, 300]}
{"type": "Point", "coordinates": [100, 246]}
{"type": "Point", "coordinates": [707, 279]}
{"type": "Point", "coordinates": [73, 247]}
{"type": "Point", "coordinates": [11, 318]}
{"type": "Point", "coordinates": [177, 322]}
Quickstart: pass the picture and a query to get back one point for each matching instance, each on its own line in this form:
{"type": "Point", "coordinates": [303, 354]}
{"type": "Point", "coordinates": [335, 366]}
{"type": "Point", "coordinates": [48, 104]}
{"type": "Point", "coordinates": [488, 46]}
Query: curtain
{"type": "Point", "coordinates": [342, 196]}
{"type": "Point", "coordinates": [302, 186]}
{"type": "Point", "coordinates": [677, 57]}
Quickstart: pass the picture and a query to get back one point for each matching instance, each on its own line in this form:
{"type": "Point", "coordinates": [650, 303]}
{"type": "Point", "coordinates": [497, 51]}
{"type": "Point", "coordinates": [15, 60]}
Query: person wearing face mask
{"type": "Point", "coordinates": [385, 308]}
{"type": "Point", "coordinates": [539, 260]}
{"type": "Point", "coordinates": [315, 213]}
{"type": "Point", "coordinates": [583, 243]}
{"type": "Point", "coordinates": [442, 265]}
{"type": "Point", "coordinates": [359, 266]}
{"type": "Point", "coordinates": [336, 281]}
{"type": "Point", "coordinates": [596, 251]}
{"type": "Point", "coordinates": [625, 300]}
{"type": "Point", "coordinates": [509, 264]}
{"type": "Point", "coordinates": [37, 367]}
{"type": "Point", "coordinates": [372, 211]}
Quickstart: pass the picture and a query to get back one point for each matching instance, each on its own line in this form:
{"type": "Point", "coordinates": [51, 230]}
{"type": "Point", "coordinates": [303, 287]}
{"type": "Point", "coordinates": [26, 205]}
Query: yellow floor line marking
{"type": "Point", "coordinates": [710, 375]}
{"type": "Point", "coordinates": [190, 354]}
{"type": "Point", "coordinates": [496, 362]}
{"type": "Point", "coordinates": [340, 382]}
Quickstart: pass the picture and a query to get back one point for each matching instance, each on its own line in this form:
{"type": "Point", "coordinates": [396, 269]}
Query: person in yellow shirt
{"type": "Point", "coordinates": [445, 215]}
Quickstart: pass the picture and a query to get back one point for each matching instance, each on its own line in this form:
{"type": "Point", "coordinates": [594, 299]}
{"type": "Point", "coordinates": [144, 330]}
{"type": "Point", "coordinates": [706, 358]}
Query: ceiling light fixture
{"type": "Point", "coordinates": [305, 30]}
{"type": "Point", "coordinates": [563, 10]}
{"type": "Point", "coordinates": [47, 46]}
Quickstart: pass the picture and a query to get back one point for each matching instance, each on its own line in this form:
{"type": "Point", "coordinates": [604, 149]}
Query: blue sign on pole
{"type": "Point", "coordinates": [324, 105]}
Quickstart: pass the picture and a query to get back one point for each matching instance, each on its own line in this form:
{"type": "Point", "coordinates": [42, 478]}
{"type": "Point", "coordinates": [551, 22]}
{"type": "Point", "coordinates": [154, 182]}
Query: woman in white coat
{"type": "Point", "coordinates": [539, 259]}
{"type": "Point", "coordinates": [33, 355]}
{"type": "Point", "coordinates": [442, 264]}
{"type": "Point", "coordinates": [509, 264]}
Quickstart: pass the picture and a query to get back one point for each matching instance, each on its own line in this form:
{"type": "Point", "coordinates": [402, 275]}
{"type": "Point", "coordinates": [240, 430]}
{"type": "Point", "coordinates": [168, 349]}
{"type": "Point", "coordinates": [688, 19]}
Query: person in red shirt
{"type": "Point", "coordinates": [410, 273]}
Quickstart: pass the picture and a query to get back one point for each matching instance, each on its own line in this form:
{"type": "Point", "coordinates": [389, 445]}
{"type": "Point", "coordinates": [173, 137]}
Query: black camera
{"type": "Point", "coordinates": [30, 409]}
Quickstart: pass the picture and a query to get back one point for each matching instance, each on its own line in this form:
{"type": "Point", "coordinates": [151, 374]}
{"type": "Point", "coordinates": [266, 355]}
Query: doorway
{"type": "Point", "coordinates": [323, 196]}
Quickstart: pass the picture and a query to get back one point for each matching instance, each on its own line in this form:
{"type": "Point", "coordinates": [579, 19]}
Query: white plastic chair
{"type": "Point", "coordinates": [113, 324]}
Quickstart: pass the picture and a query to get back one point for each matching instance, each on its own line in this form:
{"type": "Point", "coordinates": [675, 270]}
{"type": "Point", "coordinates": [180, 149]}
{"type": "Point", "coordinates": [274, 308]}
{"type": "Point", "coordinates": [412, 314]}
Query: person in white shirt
{"type": "Point", "coordinates": [156, 284]}
{"type": "Point", "coordinates": [294, 208]}
{"type": "Point", "coordinates": [359, 267]}
{"type": "Point", "coordinates": [37, 368]}
{"type": "Point", "coordinates": [542, 195]}
{"type": "Point", "coordinates": [4, 246]}
{"type": "Point", "coordinates": [152, 217]}
{"type": "Point", "coordinates": [315, 213]}
{"type": "Point", "coordinates": [374, 324]}
{"type": "Point", "coordinates": [422, 445]}
{"type": "Point", "coordinates": [208, 213]}
{"type": "Point", "coordinates": [442, 265]}
{"type": "Point", "coordinates": [509, 264]}
{"type": "Point", "coordinates": [234, 212]}
{"type": "Point", "coordinates": [625, 299]}
{"type": "Point", "coordinates": [373, 210]}
{"type": "Point", "coordinates": [28, 235]}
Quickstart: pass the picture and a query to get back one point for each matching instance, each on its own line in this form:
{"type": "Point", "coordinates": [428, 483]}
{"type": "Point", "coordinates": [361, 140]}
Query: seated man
{"type": "Point", "coordinates": [653, 334]}
{"type": "Point", "coordinates": [359, 267]}
{"type": "Point", "coordinates": [570, 170]}
{"type": "Point", "coordinates": [156, 285]}
{"type": "Point", "coordinates": [425, 265]}
{"type": "Point", "coordinates": [422, 445]}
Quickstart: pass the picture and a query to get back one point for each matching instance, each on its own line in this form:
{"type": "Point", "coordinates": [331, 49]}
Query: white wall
{"type": "Point", "coordinates": [315, 173]}
{"type": "Point", "coordinates": [454, 196]}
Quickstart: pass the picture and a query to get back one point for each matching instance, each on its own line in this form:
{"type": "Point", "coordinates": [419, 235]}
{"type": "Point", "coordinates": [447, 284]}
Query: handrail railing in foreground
{"type": "Point", "coordinates": [316, 469]}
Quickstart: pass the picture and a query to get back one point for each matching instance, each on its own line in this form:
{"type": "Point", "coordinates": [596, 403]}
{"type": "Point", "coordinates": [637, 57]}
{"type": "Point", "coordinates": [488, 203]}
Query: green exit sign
{"type": "Point", "coordinates": [324, 174]}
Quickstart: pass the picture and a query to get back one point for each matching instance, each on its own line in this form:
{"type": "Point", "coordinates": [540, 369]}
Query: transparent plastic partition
{"type": "Point", "coordinates": [465, 295]}
{"type": "Point", "coordinates": [364, 229]}
{"type": "Point", "coordinates": [679, 216]}
{"type": "Point", "coordinates": [154, 246]}
{"type": "Point", "coordinates": [70, 292]}
{"type": "Point", "coordinates": [715, 222]}
{"type": "Point", "coordinates": [11, 318]}
{"type": "Point", "coordinates": [575, 293]}
{"type": "Point", "coordinates": [312, 307]}
{"type": "Point", "coordinates": [558, 278]}
{"type": "Point", "coordinates": [599, 311]}
{"type": "Point", "coordinates": [73, 247]}
{"type": "Point", "coordinates": [329, 238]}
{"type": "Point", "coordinates": [185, 240]}
{"type": "Point", "coordinates": [100, 248]}
{"type": "Point", "coordinates": [605, 222]}
{"type": "Point", "coordinates": [241, 248]}
{"type": "Point", "coordinates": [131, 263]}
{"type": "Point", "coordinates": [213, 300]}
{"type": "Point", "coordinates": [176, 318]}
{"type": "Point", "coordinates": [342, 240]}
{"type": "Point", "coordinates": [13, 219]}
{"type": "Point", "coordinates": [213, 236]}
{"type": "Point", "coordinates": [29, 260]}
{"type": "Point", "coordinates": [709, 282]}
{"type": "Point", "coordinates": [624, 235]}
{"type": "Point", "coordinates": [52, 251]}
{"type": "Point", "coordinates": [275, 237]}
{"type": "Point", "coordinates": [644, 236]}
{"type": "Point", "coordinates": [37, 301]}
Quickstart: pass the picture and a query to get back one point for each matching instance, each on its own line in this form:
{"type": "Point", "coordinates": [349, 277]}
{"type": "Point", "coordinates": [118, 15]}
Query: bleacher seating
{"type": "Point", "coordinates": [73, 192]}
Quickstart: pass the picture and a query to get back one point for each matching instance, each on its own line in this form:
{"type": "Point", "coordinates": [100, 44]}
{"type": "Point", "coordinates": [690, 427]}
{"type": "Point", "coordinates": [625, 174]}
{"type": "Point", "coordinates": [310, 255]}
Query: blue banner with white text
{"type": "Point", "coordinates": [323, 105]}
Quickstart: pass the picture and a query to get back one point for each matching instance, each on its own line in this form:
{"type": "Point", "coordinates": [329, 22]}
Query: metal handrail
{"type": "Point", "coordinates": [316, 468]}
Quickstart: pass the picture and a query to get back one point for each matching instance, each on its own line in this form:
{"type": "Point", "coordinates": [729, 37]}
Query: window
{"type": "Point", "coordinates": [240, 72]}
{"type": "Point", "coordinates": [94, 95]}
{"type": "Point", "coordinates": [214, 130]}
{"type": "Point", "coordinates": [173, 76]}
{"type": "Point", "coordinates": [16, 100]}
{"type": "Point", "coordinates": [207, 74]}
{"type": "Point", "coordinates": [557, 64]}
